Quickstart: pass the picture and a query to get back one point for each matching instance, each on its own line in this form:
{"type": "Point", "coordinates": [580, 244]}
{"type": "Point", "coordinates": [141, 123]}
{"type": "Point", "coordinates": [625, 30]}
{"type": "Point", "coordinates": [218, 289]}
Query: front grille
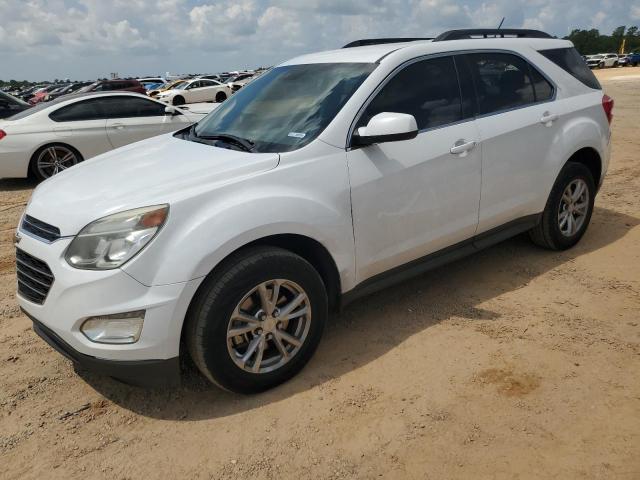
{"type": "Point", "coordinates": [34, 277]}
{"type": "Point", "coordinates": [40, 229]}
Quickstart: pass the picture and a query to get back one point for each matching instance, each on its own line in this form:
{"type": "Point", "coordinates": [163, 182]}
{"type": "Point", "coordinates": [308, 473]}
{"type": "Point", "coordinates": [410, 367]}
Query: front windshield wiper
{"type": "Point", "coordinates": [244, 143]}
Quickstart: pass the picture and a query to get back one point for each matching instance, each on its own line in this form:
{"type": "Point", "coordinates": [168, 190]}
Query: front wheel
{"type": "Point", "coordinates": [257, 320]}
{"type": "Point", "coordinates": [221, 97]}
{"type": "Point", "coordinates": [178, 100]}
{"type": "Point", "coordinates": [568, 211]}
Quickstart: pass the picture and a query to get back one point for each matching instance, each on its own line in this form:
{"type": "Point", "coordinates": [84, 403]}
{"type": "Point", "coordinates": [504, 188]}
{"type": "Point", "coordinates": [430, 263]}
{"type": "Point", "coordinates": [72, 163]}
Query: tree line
{"type": "Point", "coordinates": [589, 42]}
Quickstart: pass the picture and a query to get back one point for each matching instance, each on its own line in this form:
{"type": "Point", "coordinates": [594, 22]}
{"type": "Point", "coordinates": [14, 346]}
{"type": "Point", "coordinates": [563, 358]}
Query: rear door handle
{"type": "Point", "coordinates": [118, 126]}
{"type": "Point", "coordinates": [548, 119]}
{"type": "Point", "coordinates": [461, 147]}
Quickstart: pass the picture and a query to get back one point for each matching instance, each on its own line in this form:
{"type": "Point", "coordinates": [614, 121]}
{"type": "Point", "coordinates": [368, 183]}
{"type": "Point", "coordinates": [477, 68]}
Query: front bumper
{"type": "Point", "coordinates": [76, 295]}
{"type": "Point", "coordinates": [146, 373]}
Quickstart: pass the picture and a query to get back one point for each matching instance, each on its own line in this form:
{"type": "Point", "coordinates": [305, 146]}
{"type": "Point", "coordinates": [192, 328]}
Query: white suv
{"type": "Point", "coordinates": [325, 179]}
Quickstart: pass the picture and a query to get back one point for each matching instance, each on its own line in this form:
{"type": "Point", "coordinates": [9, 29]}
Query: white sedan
{"type": "Point", "coordinates": [54, 136]}
{"type": "Point", "coordinates": [196, 90]}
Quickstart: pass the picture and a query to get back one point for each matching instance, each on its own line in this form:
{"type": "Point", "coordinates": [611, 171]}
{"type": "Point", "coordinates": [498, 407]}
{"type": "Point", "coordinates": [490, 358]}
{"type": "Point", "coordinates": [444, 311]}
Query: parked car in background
{"type": "Point", "coordinates": [595, 61]}
{"type": "Point", "coordinates": [167, 86]}
{"type": "Point", "coordinates": [54, 136]}
{"type": "Point", "coordinates": [127, 85]}
{"type": "Point", "coordinates": [633, 59]}
{"type": "Point", "coordinates": [40, 94]}
{"type": "Point", "coordinates": [26, 93]}
{"type": "Point", "coordinates": [67, 90]}
{"type": "Point", "coordinates": [196, 90]}
{"type": "Point", "coordinates": [238, 81]}
{"type": "Point", "coordinates": [214, 76]}
{"type": "Point", "coordinates": [10, 105]}
{"type": "Point", "coordinates": [603, 60]}
{"type": "Point", "coordinates": [623, 60]}
{"type": "Point", "coordinates": [328, 178]}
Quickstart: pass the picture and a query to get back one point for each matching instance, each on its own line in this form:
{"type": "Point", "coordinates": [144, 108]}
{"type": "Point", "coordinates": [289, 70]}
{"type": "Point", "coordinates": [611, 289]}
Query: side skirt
{"type": "Point", "coordinates": [440, 258]}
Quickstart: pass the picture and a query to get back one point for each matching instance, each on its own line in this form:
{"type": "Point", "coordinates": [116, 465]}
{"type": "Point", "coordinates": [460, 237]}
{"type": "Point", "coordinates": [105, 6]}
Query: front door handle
{"type": "Point", "coordinates": [461, 147]}
{"type": "Point", "coordinates": [118, 126]}
{"type": "Point", "coordinates": [548, 119]}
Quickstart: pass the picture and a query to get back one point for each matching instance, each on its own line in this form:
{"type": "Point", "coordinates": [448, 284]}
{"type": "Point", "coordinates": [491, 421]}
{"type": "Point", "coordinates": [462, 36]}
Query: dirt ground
{"type": "Point", "coordinates": [516, 363]}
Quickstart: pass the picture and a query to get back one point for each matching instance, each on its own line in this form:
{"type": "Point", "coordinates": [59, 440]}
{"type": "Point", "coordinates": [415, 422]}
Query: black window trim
{"type": "Point", "coordinates": [453, 54]}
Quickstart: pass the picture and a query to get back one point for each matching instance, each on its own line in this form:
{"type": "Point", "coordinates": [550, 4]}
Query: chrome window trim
{"type": "Point", "coordinates": [451, 54]}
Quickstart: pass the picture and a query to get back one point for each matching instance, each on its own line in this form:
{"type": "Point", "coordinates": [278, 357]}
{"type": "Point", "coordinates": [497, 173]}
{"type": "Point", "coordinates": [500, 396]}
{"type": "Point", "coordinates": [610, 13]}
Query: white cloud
{"type": "Point", "coordinates": [89, 38]}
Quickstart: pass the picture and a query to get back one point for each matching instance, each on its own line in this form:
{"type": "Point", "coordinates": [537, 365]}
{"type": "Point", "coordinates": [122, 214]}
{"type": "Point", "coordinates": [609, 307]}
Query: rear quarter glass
{"type": "Point", "coordinates": [570, 61]}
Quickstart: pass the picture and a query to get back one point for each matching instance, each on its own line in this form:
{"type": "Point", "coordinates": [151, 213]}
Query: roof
{"type": "Point", "coordinates": [375, 53]}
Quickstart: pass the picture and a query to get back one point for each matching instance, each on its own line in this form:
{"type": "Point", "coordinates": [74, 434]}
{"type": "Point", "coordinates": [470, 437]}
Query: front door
{"type": "Point", "coordinates": [411, 198]}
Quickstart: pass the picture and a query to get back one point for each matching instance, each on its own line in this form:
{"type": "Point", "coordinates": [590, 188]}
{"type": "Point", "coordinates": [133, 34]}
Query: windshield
{"type": "Point", "coordinates": [287, 108]}
{"type": "Point", "coordinates": [180, 86]}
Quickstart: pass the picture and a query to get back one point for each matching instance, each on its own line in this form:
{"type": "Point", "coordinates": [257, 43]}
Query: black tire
{"type": "Point", "coordinates": [548, 232]}
{"type": "Point", "coordinates": [221, 97]}
{"type": "Point", "coordinates": [41, 175]}
{"type": "Point", "coordinates": [211, 311]}
{"type": "Point", "coordinates": [178, 100]}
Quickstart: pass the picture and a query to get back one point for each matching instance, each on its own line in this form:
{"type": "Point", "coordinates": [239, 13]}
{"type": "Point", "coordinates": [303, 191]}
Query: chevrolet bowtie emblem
{"type": "Point", "coordinates": [16, 238]}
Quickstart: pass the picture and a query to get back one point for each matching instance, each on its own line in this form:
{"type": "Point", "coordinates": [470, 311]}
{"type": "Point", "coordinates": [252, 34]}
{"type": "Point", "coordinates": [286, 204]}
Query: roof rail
{"type": "Point", "coordinates": [380, 41]}
{"type": "Point", "coordinates": [490, 33]}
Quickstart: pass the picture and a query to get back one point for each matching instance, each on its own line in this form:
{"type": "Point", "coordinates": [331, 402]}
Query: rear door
{"type": "Point", "coordinates": [518, 123]}
{"type": "Point", "coordinates": [82, 125]}
{"type": "Point", "coordinates": [131, 119]}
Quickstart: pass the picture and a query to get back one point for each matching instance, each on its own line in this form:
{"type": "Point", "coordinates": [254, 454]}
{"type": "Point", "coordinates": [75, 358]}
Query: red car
{"type": "Point", "coordinates": [111, 85]}
{"type": "Point", "coordinates": [41, 94]}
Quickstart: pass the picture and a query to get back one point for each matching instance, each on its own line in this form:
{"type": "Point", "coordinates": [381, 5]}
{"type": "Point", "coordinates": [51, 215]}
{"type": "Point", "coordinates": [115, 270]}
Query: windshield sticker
{"type": "Point", "coordinates": [297, 135]}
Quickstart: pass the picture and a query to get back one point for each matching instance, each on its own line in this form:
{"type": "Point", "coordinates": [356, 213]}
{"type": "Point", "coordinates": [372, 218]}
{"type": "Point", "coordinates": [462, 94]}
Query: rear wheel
{"type": "Point", "coordinates": [53, 159]}
{"type": "Point", "coordinates": [568, 211]}
{"type": "Point", "coordinates": [221, 97]}
{"type": "Point", "coordinates": [257, 320]}
{"type": "Point", "coordinates": [178, 100]}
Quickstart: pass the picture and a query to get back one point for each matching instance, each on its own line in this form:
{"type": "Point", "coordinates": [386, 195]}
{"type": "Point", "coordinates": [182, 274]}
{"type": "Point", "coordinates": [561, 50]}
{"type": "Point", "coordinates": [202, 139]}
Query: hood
{"type": "Point", "coordinates": [155, 171]}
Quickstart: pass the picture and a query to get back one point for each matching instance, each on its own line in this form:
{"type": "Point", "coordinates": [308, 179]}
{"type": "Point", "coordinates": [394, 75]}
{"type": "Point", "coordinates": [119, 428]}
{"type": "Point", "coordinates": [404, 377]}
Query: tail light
{"type": "Point", "coordinates": [607, 105]}
{"type": "Point", "coordinates": [2, 134]}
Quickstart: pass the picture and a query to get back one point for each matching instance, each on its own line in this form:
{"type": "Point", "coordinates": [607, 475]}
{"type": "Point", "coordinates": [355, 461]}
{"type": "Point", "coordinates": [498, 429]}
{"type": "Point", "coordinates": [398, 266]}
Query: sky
{"type": "Point", "coordinates": [87, 39]}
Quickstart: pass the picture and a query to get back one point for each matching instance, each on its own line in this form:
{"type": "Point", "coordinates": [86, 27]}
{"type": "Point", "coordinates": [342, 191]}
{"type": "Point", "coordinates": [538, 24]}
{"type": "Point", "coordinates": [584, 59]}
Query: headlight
{"type": "Point", "coordinates": [111, 241]}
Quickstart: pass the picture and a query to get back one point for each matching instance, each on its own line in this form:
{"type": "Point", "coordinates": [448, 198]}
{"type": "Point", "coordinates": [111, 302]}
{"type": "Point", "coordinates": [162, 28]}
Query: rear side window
{"type": "Point", "coordinates": [570, 61]}
{"type": "Point", "coordinates": [503, 81]}
{"type": "Point", "coordinates": [427, 89]}
{"type": "Point", "coordinates": [87, 110]}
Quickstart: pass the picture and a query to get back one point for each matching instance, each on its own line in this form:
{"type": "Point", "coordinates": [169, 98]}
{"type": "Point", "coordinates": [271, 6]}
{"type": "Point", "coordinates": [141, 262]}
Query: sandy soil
{"type": "Point", "coordinates": [515, 363]}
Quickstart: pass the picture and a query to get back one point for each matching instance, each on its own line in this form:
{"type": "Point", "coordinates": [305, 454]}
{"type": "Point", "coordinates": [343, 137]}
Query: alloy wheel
{"type": "Point", "coordinates": [269, 326]}
{"type": "Point", "coordinates": [54, 159]}
{"type": "Point", "coordinates": [574, 207]}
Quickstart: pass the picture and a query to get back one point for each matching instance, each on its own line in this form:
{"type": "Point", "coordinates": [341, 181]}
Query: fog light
{"type": "Point", "coordinates": [120, 328]}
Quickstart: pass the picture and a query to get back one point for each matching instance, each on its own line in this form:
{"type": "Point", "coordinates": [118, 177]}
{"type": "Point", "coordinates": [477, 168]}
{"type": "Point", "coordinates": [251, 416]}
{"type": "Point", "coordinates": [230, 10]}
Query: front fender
{"type": "Point", "coordinates": [200, 232]}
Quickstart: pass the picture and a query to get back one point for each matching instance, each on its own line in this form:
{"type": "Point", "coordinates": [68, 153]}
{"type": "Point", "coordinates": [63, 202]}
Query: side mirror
{"type": "Point", "coordinates": [170, 111]}
{"type": "Point", "coordinates": [386, 127]}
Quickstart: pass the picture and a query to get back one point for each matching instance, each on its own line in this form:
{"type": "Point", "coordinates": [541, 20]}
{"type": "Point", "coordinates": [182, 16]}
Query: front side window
{"type": "Point", "coordinates": [503, 81]}
{"type": "Point", "coordinates": [130, 107]}
{"type": "Point", "coordinates": [288, 107]}
{"type": "Point", "coordinates": [427, 89]}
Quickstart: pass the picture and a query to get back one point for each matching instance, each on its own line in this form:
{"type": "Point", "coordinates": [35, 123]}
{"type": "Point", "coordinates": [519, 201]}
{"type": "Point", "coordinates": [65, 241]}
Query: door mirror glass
{"type": "Point", "coordinates": [170, 110]}
{"type": "Point", "coordinates": [386, 127]}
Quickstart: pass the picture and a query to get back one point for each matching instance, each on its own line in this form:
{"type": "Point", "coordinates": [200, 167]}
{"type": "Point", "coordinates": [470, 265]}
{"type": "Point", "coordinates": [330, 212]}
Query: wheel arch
{"type": "Point", "coordinates": [589, 157]}
{"type": "Point", "coordinates": [306, 247]}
